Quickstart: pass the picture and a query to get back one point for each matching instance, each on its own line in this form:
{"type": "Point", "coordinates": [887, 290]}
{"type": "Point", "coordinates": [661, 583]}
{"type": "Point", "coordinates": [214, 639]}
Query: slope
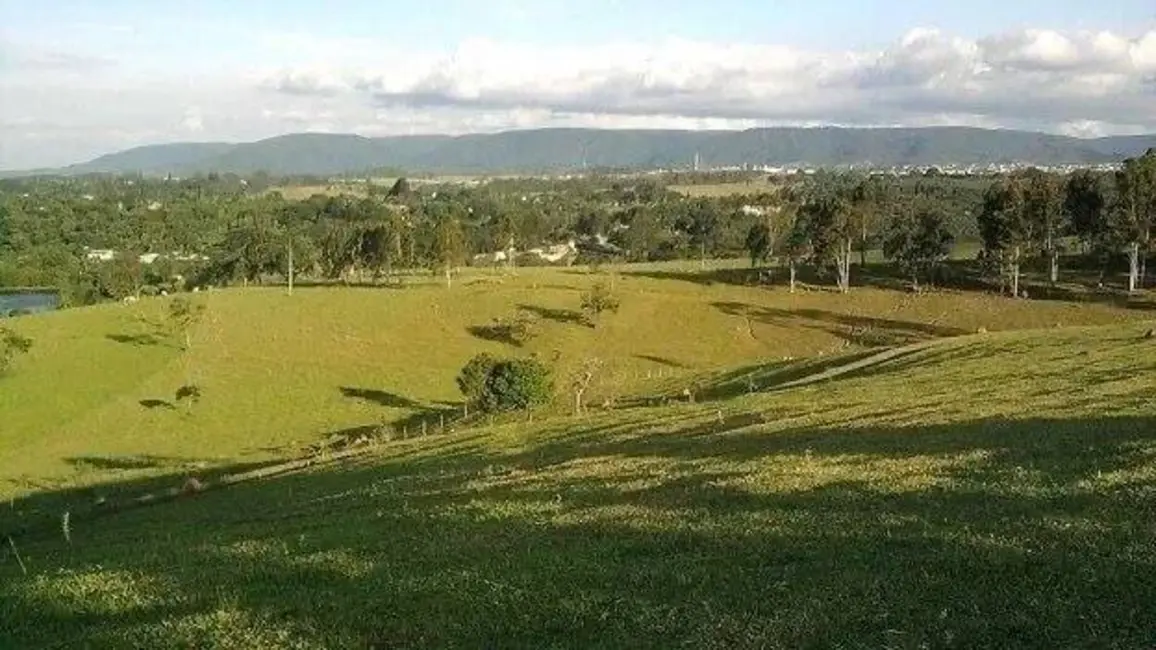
{"type": "Point", "coordinates": [989, 490]}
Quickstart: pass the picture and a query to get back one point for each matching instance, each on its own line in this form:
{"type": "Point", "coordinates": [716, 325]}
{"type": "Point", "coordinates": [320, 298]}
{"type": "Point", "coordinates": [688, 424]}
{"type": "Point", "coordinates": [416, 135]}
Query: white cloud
{"type": "Point", "coordinates": [1083, 83]}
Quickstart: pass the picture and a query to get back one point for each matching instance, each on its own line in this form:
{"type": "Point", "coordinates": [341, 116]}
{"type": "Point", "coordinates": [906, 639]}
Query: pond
{"type": "Point", "coordinates": [20, 302]}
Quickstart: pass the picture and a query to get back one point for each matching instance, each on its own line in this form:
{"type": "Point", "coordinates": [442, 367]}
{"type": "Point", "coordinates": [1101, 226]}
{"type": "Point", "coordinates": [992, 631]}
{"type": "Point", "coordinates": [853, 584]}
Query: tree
{"type": "Point", "coordinates": [917, 243]}
{"type": "Point", "coordinates": [1134, 212]}
{"type": "Point", "coordinates": [759, 244]}
{"type": "Point", "coordinates": [1003, 227]}
{"type": "Point", "coordinates": [1043, 206]}
{"type": "Point", "coordinates": [869, 199]}
{"type": "Point", "coordinates": [1085, 205]}
{"type": "Point", "coordinates": [449, 246]}
{"type": "Point", "coordinates": [830, 229]}
{"type": "Point", "coordinates": [472, 378]}
{"type": "Point", "coordinates": [12, 345]}
{"type": "Point", "coordinates": [581, 380]}
{"type": "Point", "coordinates": [184, 314]}
{"type": "Point", "coordinates": [400, 189]}
{"type": "Point", "coordinates": [517, 384]}
{"type": "Point", "coordinates": [599, 299]}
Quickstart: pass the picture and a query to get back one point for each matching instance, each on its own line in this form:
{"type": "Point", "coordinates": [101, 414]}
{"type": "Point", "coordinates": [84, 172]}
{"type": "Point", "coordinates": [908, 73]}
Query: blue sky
{"type": "Point", "coordinates": [82, 78]}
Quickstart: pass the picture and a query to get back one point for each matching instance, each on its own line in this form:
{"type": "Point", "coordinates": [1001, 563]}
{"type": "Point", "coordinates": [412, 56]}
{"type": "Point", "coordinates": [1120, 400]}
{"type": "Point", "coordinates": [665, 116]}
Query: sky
{"type": "Point", "coordinates": [80, 78]}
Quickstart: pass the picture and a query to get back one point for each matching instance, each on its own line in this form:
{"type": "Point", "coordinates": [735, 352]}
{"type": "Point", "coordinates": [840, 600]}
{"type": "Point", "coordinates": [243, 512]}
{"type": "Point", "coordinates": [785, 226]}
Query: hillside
{"type": "Point", "coordinates": [565, 149]}
{"type": "Point", "coordinates": [947, 489]}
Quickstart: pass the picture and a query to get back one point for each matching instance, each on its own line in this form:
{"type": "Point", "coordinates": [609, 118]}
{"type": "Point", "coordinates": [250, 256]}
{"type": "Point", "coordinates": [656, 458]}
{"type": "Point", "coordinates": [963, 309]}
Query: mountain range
{"type": "Point", "coordinates": [557, 150]}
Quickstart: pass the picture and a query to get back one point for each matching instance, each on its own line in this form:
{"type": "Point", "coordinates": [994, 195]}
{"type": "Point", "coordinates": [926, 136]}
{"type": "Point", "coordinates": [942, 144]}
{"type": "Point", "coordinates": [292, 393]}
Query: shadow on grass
{"type": "Point", "coordinates": [140, 340]}
{"type": "Point", "coordinates": [496, 332]}
{"type": "Point", "coordinates": [1018, 536]}
{"type": "Point", "coordinates": [157, 404]}
{"type": "Point", "coordinates": [662, 361]}
{"type": "Point", "coordinates": [1078, 283]}
{"type": "Point", "coordinates": [380, 397]}
{"type": "Point", "coordinates": [564, 316]}
{"type": "Point", "coordinates": [859, 330]}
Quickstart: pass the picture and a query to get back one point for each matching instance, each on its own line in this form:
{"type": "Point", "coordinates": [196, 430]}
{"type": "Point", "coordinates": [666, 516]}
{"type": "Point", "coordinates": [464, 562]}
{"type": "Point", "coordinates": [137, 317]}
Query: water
{"type": "Point", "coordinates": [13, 304]}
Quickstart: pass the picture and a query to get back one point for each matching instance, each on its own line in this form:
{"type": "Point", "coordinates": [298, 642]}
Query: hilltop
{"type": "Point", "coordinates": [555, 150]}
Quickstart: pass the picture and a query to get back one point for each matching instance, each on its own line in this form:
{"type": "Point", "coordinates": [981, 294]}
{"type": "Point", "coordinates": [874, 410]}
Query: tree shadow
{"type": "Point", "coordinates": [495, 332]}
{"type": "Point", "coordinates": [663, 361]}
{"type": "Point", "coordinates": [380, 397]}
{"type": "Point", "coordinates": [860, 330]}
{"type": "Point", "coordinates": [117, 463]}
{"type": "Point", "coordinates": [714, 534]}
{"type": "Point", "coordinates": [140, 340]}
{"type": "Point", "coordinates": [564, 316]}
{"type": "Point", "coordinates": [157, 404]}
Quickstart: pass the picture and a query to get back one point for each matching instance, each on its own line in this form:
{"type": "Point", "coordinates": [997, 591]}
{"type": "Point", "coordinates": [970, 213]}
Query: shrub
{"type": "Point", "coordinates": [11, 345]}
{"type": "Point", "coordinates": [598, 300]}
{"type": "Point", "coordinates": [472, 378]}
{"type": "Point", "coordinates": [517, 384]}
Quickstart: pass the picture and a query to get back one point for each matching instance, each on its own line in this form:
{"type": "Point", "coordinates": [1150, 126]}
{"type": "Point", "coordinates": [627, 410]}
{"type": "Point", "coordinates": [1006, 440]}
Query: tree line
{"type": "Point", "coordinates": [226, 229]}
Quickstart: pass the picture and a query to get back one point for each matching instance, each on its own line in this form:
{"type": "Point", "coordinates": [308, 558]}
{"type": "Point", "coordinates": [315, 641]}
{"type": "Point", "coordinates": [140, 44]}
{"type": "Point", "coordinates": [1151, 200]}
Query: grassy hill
{"type": "Point", "coordinates": [543, 150]}
{"type": "Point", "coordinates": [856, 471]}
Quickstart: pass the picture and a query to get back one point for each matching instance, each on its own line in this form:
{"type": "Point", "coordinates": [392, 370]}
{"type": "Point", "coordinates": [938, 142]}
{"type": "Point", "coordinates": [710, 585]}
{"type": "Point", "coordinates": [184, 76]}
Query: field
{"type": "Point", "coordinates": [859, 471]}
{"type": "Point", "coordinates": [753, 186]}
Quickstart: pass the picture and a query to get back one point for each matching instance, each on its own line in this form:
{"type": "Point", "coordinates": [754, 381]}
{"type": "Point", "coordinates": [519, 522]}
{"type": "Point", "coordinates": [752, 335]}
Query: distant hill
{"type": "Point", "coordinates": [546, 150]}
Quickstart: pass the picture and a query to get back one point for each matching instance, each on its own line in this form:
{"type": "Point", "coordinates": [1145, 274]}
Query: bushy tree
{"type": "Point", "coordinates": [1134, 212]}
{"type": "Point", "coordinates": [598, 300]}
{"type": "Point", "coordinates": [517, 384]}
{"type": "Point", "coordinates": [1086, 208]}
{"type": "Point", "coordinates": [1003, 225]}
{"type": "Point", "coordinates": [918, 242]}
{"type": "Point", "coordinates": [472, 378]}
{"type": "Point", "coordinates": [829, 224]}
{"type": "Point", "coordinates": [759, 244]}
{"type": "Point", "coordinates": [12, 345]}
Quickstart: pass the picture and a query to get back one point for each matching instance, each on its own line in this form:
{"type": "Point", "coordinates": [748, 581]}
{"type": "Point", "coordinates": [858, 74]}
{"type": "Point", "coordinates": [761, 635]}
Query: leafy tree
{"type": "Point", "coordinates": [517, 384]}
{"type": "Point", "coordinates": [599, 299]}
{"type": "Point", "coordinates": [400, 189]}
{"type": "Point", "coordinates": [830, 228]}
{"type": "Point", "coordinates": [759, 243]}
{"type": "Point", "coordinates": [183, 315]}
{"type": "Point", "coordinates": [449, 246]}
{"type": "Point", "coordinates": [472, 378]}
{"type": "Point", "coordinates": [1005, 230]}
{"type": "Point", "coordinates": [12, 344]}
{"type": "Point", "coordinates": [1085, 205]}
{"type": "Point", "coordinates": [869, 201]}
{"type": "Point", "coordinates": [1135, 211]}
{"type": "Point", "coordinates": [917, 243]}
{"type": "Point", "coordinates": [1043, 206]}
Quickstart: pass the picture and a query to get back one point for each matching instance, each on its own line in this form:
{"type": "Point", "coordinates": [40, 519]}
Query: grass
{"type": "Point", "coordinates": [280, 372]}
{"type": "Point", "coordinates": [857, 471]}
{"type": "Point", "coordinates": [938, 500]}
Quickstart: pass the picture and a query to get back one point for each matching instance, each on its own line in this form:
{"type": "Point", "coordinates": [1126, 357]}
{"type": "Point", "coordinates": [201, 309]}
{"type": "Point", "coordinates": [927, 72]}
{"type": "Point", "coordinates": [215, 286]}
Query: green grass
{"type": "Point", "coordinates": [280, 372]}
{"type": "Point", "coordinates": [989, 490]}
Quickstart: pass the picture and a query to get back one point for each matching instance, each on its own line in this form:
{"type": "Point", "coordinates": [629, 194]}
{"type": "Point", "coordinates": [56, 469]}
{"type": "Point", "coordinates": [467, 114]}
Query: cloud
{"type": "Point", "coordinates": [66, 106]}
{"type": "Point", "coordinates": [1031, 76]}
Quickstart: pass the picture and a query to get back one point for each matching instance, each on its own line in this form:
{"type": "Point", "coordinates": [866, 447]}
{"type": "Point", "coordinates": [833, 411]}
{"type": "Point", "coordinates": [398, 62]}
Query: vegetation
{"type": "Point", "coordinates": [938, 493]}
{"type": "Point", "coordinates": [735, 460]}
{"type": "Point", "coordinates": [12, 345]}
{"type": "Point", "coordinates": [517, 384]}
{"type": "Point", "coordinates": [598, 300]}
